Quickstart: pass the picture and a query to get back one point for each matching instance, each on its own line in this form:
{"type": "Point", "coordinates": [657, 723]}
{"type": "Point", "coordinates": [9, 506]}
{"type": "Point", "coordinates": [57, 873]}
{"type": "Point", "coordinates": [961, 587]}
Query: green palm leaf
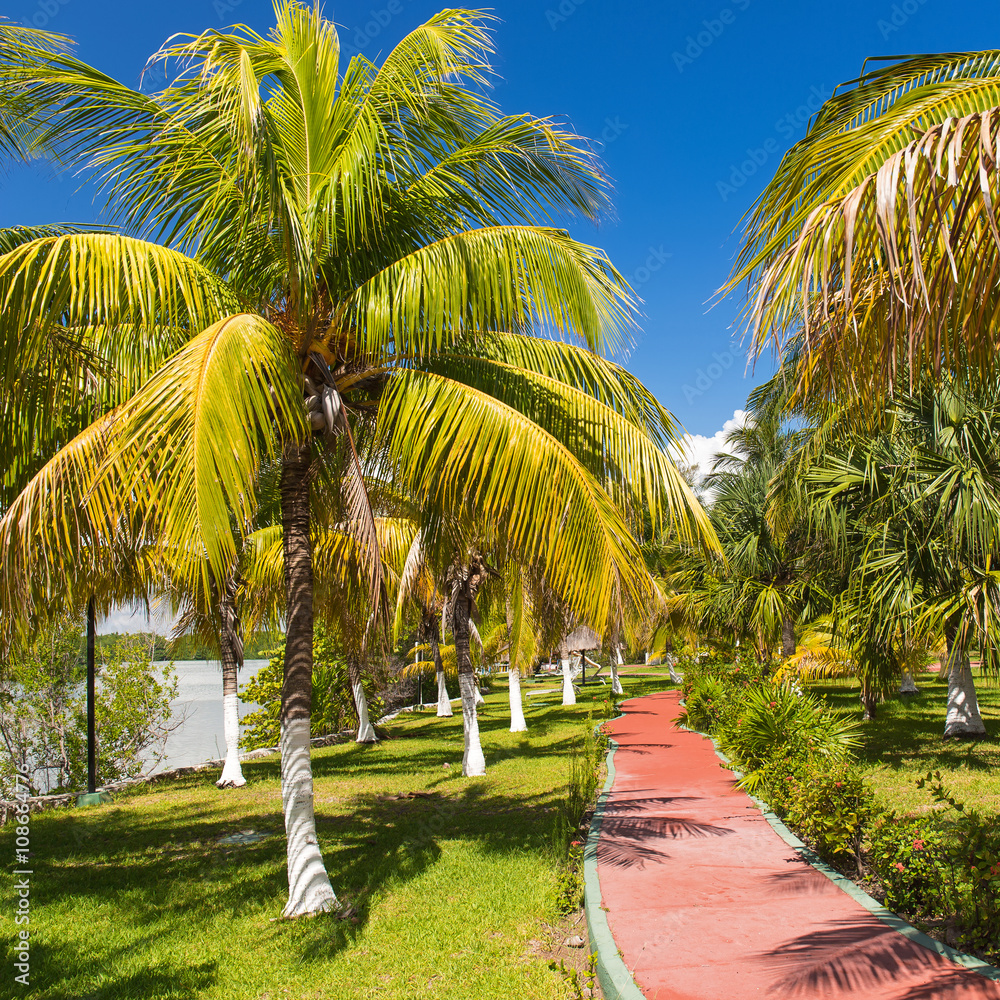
{"type": "Point", "coordinates": [458, 448]}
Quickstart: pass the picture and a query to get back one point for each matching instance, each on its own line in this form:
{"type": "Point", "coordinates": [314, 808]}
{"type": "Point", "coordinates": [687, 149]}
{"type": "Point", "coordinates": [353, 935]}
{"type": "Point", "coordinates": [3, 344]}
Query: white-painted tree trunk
{"type": "Point", "coordinates": [675, 677]}
{"type": "Point", "coordinates": [907, 684]}
{"type": "Point", "coordinates": [444, 702]}
{"type": "Point", "coordinates": [480, 700]}
{"type": "Point", "coordinates": [517, 723]}
{"type": "Point", "coordinates": [569, 693]}
{"type": "Point", "coordinates": [616, 662]}
{"type": "Point", "coordinates": [232, 772]}
{"type": "Point", "coordinates": [473, 761]}
{"type": "Point", "coordinates": [231, 659]}
{"type": "Point", "coordinates": [309, 889]}
{"type": "Point", "coordinates": [366, 731]}
{"type": "Point", "coordinates": [963, 717]}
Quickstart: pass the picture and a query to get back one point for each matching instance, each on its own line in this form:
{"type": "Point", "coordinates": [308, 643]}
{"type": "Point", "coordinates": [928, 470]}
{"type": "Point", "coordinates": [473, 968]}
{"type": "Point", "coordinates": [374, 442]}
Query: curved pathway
{"type": "Point", "coordinates": [706, 901]}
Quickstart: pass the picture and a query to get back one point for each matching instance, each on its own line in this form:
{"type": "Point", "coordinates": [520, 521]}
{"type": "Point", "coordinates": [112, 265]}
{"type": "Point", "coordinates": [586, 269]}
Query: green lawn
{"type": "Point", "coordinates": [904, 742]}
{"type": "Point", "coordinates": [138, 900]}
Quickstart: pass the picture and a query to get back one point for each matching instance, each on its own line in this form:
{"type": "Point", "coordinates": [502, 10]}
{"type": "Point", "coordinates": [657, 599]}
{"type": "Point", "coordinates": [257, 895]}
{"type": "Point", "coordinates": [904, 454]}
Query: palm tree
{"type": "Point", "coordinates": [301, 230]}
{"type": "Point", "coordinates": [340, 218]}
{"type": "Point", "coordinates": [418, 586]}
{"type": "Point", "coordinates": [876, 240]}
{"type": "Point", "coordinates": [918, 504]}
{"type": "Point", "coordinates": [760, 588]}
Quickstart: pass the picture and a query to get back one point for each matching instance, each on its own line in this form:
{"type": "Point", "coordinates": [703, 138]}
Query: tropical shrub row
{"type": "Point", "coordinates": [939, 869]}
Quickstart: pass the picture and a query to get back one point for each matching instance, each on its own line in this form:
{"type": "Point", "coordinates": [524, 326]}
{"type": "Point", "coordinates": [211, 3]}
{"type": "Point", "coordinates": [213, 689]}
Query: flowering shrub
{"type": "Point", "coordinates": [911, 860]}
{"type": "Point", "coordinates": [826, 801]}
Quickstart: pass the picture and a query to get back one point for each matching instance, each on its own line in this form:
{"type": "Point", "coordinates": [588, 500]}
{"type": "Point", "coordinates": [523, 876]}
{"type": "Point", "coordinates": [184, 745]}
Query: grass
{"type": "Point", "coordinates": [904, 742]}
{"type": "Point", "coordinates": [450, 877]}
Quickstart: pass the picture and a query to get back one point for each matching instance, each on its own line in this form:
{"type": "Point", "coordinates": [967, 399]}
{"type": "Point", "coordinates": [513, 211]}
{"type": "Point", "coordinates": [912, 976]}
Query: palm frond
{"type": "Point", "coordinates": [458, 448]}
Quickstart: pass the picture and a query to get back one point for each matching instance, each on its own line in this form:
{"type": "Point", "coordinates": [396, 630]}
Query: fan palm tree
{"type": "Point", "coordinates": [919, 505]}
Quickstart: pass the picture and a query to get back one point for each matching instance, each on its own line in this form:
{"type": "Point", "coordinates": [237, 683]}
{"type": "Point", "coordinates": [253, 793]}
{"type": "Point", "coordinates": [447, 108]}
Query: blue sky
{"type": "Point", "coordinates": [694, 104]}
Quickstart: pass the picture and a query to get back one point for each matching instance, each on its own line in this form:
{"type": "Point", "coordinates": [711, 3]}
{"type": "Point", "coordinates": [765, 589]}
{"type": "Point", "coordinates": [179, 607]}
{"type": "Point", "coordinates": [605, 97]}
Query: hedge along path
{"type": "Point", "coordinates": [704, 899]}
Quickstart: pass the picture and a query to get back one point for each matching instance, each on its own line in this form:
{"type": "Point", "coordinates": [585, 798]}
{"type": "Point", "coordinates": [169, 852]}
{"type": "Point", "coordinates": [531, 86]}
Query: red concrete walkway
{"type": "Point", "coordinates": [705, 900]}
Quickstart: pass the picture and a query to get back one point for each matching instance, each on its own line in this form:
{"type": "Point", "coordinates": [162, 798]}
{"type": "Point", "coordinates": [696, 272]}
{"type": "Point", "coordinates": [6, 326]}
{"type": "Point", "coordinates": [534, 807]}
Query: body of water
{"type": "Point", "coordinates": [201, 736]}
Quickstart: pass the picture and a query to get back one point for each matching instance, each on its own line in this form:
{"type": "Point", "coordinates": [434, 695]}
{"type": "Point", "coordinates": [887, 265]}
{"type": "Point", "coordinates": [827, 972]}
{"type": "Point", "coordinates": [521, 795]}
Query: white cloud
{"type": "Point", "coordinates": [699, 451]}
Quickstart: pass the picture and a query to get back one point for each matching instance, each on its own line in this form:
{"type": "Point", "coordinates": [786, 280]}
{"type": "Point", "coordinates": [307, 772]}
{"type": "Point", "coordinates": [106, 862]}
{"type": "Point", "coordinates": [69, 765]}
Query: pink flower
{"type": "Point", "coordinates": [918, 845]}
{"type": "Point", "coordinates": [575, 843]}
{"type": "Point", "coordinates": [899, 866]}
{"type": "Point", "coordinates": [838, 784]}
{"type": "Point", "coordinates": [774, 704]}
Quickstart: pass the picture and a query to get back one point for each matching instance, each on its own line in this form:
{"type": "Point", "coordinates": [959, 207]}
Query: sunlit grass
{"type": "Point", "coordinates": [138, 900]}
{"type": "Point", "coordinates": [905, 741]}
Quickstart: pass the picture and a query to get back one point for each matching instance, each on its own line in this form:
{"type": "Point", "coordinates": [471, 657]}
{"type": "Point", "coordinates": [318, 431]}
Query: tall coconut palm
{"type": "Point", "coordinates": [299, 229]}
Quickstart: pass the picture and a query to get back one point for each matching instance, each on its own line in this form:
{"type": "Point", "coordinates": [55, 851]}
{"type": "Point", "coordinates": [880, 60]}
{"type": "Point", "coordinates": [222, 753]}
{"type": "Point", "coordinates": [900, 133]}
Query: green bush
{"type": "Point", "coordinates": [910, 858]}
{"type": "Point", "coordinates": [43, 710]}
{"type": "Point", "coordinates": [332, 701]}
{"type": "Point", "coordinates": [826, 801]}
{"type": "Point", "coordinates": [704, 704]}
{"type": "Point", "coordinates": [973, 845]}
{"type": "Point", "coordinates": [772, 722]}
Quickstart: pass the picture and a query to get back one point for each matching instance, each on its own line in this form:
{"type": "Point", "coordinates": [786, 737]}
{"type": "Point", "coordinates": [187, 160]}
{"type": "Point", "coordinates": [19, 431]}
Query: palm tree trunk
{"type": "Point", "coordinates": [366, 732]}
{"type": "Point", "coordinates": [787, 636]}
{"type": "Point", "coordinates": [568, 692]}
{"type": "Point", "coordinates": [444, 709]}
{"type": "Point", "coordinates": [517, 722]}
{"type": "Point", "coordinates": [616, 662]}
{"type": "Point", "coordinates": [963, 720]}
{"type": "Point", "coordinates": [870, 700]}
{"type": "Point", "coordinates": [430, 634]}
{"type": "Point", "coordinates": [309, 889]}
{"type": "Point", "coordinates": [231, 653]}
{"type": "Point", "coordinates": [675, 678]}
{"type": "Point", "coordinates": [907, 685]}
{"type": "Point", "coordinates": [444, 702]}
{"type": "Point", "coordinates": [473, 761]}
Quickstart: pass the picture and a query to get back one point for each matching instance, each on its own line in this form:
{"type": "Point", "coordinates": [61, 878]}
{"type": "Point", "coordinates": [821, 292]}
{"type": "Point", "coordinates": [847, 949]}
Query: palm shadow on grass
{"type": "Point", "coordinates": [910, 728]}
{"type": "Point", "coordinates": [159, 870]}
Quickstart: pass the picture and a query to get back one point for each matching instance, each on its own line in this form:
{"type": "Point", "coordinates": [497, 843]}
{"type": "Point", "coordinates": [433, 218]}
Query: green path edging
{"type": "Point", "coordinates": [612, 973]}
{"type": "Point", "coordinates": [617, 983]}
{"type": "Point", "coordinates": [855, 891]}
